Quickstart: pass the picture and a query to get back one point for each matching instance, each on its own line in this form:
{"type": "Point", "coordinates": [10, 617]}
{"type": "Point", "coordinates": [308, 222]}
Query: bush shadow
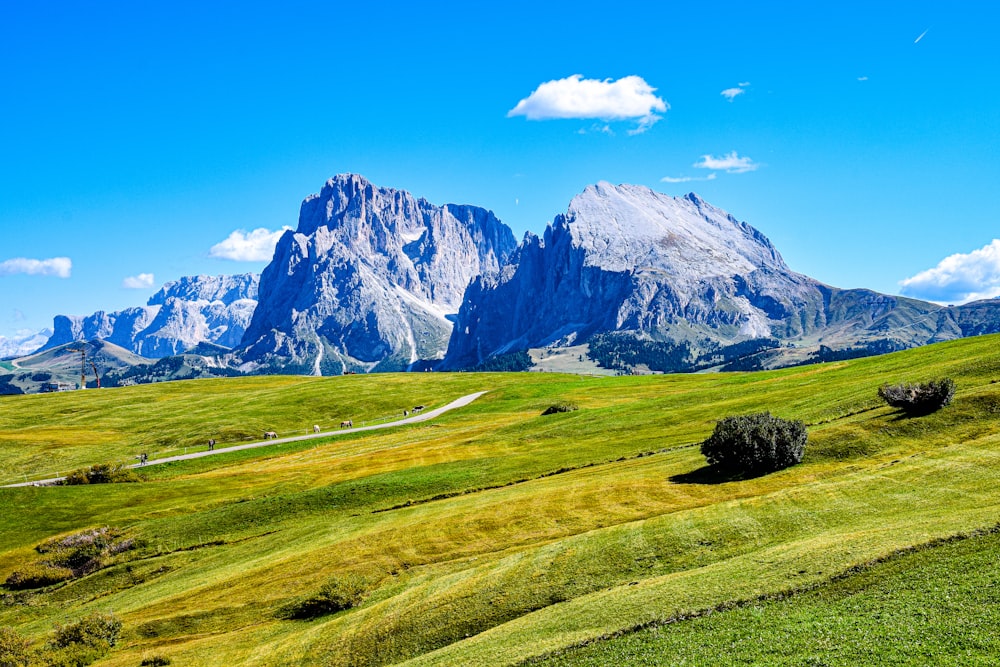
{"type": "Point", "coordinates": [710, 475]}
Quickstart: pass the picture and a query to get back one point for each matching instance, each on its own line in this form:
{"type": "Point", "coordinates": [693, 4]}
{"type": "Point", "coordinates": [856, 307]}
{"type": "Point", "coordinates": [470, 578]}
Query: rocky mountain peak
{"type": "Point", "coordinates": [628, 227]}
{"type": "Point", "coordinates": [626, 259]}
{"type": "Point", "coordinates": [370, 278]}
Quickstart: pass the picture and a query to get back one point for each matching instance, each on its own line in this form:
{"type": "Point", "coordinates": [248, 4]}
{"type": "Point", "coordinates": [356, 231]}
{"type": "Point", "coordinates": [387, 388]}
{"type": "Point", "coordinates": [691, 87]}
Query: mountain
{"type": "Point", "coordinates": [368, 281]}
{"type": "Point", "coordinates": [674, 283]}
{"type": "Point", "coordinates": [22, 343]}
{"type": "Point", "coordinates": [183, 313]}
{"type": "Point", "coordinates": [60, 367]}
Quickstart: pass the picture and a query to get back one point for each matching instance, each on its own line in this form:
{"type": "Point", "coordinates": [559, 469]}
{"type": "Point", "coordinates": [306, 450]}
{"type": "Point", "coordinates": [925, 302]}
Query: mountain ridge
{"type": "Point", "coordinates": [376, 279]}
{"type": "Point", "coordinates": [678, 271]}
{"type": "Point", "coordinates": [181, 314]}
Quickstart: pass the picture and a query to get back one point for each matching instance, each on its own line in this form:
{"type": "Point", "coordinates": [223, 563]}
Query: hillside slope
{"type": "Point", "coordinates": [494, 534]}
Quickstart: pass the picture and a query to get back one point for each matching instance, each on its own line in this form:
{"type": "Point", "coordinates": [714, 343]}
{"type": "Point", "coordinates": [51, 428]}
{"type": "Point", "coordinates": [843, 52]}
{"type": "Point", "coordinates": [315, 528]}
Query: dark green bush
{"type": "Point", "coordinates": [15, 650]}
{"type": "Point", "coordinates": [155, 661]}
{"type": "Point", "coordinates": [559, 407]}
{"type": "Point", "coordinates": [755, 443]}
{"type": "Point", "coordinates": [101, 473]}
{"type": "Point", "coordinates": [98, 630]}
{"type": "Point", "coordinates": [919, 399]}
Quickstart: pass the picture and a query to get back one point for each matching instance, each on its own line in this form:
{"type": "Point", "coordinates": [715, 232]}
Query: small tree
{"type": "Point", "coordinates": [755, 443]}
{"type": "Point", "coordinates": [919, 399]}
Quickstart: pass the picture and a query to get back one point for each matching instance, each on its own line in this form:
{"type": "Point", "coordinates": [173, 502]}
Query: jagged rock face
{"type": "Point", "coordinates": [368, 280]}
{"type": "Point", "coordinates": [183, 313]}
{"type": "Point", "coordinates": [627, 259]}
{"type": "Point", "coordinates": [224, 289]}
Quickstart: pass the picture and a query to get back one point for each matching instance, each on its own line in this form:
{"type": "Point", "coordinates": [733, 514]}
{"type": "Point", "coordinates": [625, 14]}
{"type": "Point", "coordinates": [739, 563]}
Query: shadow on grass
{"type": "Point", "coordinates": [709, 475]}
{"type": "Point", "coordinates": [906, 415]}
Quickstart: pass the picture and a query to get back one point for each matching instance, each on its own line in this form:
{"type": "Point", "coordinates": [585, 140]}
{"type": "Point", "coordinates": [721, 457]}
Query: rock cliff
{"type": "Point", "coordinates": [369, 281]}
{"type": "Point", "coordinates": [183, 313]}
{"type": "Point", "coordinates": [672, 271]}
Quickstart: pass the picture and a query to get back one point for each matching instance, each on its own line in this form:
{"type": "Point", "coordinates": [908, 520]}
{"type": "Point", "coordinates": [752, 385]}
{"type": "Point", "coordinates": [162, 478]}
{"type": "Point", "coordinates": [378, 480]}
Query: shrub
{"type": "Point", "coordinates": [101, 473]}
{"type": "Point", "coordinates": [14, 649]}
{"type": "Point", "coordinates": [74, 655]}
{"type": "Point", "coordinates": [755, 443]}
{"type": "Point", "coordinates": [71, 556]}
{"type": "Point", "coordinates": [919, 399]}
{"type": "Point", "coordinates": [559, 407]}
{"type": "Point", "coordinates": [335, 595]}
{"type": "Point", "coordinates": [97, 630]}
{"type": "Point", "coordinates": [37, 575]}
{"type": "Point", "coordinates": [155, 661]}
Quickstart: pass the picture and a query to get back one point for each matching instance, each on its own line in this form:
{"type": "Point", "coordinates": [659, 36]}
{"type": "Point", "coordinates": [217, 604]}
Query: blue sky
{"type": "Point", "coordinates": [861, 138]}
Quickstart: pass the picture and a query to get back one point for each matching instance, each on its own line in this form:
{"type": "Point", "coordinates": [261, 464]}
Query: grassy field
{"type": "Point", "coordinates": [494, 535]}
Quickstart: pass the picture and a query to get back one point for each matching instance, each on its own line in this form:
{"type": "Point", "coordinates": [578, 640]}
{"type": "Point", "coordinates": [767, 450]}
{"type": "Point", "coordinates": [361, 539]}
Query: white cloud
{"type": "Point", "coordinates": [57, 266]}
{"type": "Point", "coordinates": [731, 93]}
{"type": "Point", "coordinates": [743, 84]}
{"type": "Point", "coordinates": [862, 78]}
{"type": "Point", "coordinates": [687, 179]}
{"type": "Point", "coordinates": [243, 246]}
{"type": "Point", "coordinates": [630, 97]}
{"type": "Point", "coordinates": [731, 163]}
{"type": "Point", "coordinates": [959, 278]}
{"type": "Point", "coordinates": [141, 281]}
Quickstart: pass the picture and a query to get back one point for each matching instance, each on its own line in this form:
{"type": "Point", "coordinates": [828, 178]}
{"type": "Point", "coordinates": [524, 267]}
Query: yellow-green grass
{"type": "Point", "coordinates": [492, 535]}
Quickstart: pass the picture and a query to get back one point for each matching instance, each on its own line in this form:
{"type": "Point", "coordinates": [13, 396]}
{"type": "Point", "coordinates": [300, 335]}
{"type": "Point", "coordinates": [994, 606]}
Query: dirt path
{"type": "Point", "coordinates": [412, 419]}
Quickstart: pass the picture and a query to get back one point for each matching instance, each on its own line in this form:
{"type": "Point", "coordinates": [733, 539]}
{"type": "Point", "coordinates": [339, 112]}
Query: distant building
{"type": "Point", "coordinates": [49, 387]}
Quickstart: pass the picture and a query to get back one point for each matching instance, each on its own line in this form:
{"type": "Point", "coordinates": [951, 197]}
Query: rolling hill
{"type": "Point", "coordinates": [495, 535]}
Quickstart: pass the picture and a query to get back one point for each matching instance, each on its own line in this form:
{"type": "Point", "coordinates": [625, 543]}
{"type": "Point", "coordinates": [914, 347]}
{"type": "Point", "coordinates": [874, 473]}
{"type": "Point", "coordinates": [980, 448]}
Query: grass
{"type": "Point", "coordinates": [932, 604]}
{"type": "Point", "coordinates": [492, 535]}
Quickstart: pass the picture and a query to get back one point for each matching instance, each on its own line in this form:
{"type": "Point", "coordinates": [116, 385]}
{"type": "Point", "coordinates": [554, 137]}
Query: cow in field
{"type": "Point", "coordinates": [347, 424]}
{"type": "Point", "coordinates": [315, 428]}
{"type": "Point", "coordinates": [270, 435]}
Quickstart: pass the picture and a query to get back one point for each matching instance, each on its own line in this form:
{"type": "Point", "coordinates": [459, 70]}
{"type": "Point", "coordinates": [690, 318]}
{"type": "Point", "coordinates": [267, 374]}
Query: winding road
{"type": "Point", "coordinates": [412, 419]}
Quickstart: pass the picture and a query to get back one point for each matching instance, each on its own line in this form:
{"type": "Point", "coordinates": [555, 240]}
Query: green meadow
{"type": "Point", "coordinates": [494, 535]}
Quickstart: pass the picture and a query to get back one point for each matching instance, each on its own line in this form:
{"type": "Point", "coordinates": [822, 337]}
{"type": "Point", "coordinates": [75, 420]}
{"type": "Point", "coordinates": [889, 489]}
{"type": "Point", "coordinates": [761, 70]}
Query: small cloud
{"type": "Point", "coordinates": [959, 278]}
{"type": "Point", "coordinates": [243, 246]}
{"type": "Point", "coordinates": [921, 36]}
{"type": "Point", "coordinates": [731, 93]}
{"type": "Point", "coordinates": [862, 78]}
{"type": "Point", "coordinates": [141, 281]}
{"type": "Point", "coordinates": [57, 266]}
{"type": "Point", "coordinates": [687, 179]}
{"type": "Point", "coordinates": [743, 84]}
{"type": "Point", "coordinates": [628, 98]}
{"type": "Point", "coordinates": [731, 163]}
